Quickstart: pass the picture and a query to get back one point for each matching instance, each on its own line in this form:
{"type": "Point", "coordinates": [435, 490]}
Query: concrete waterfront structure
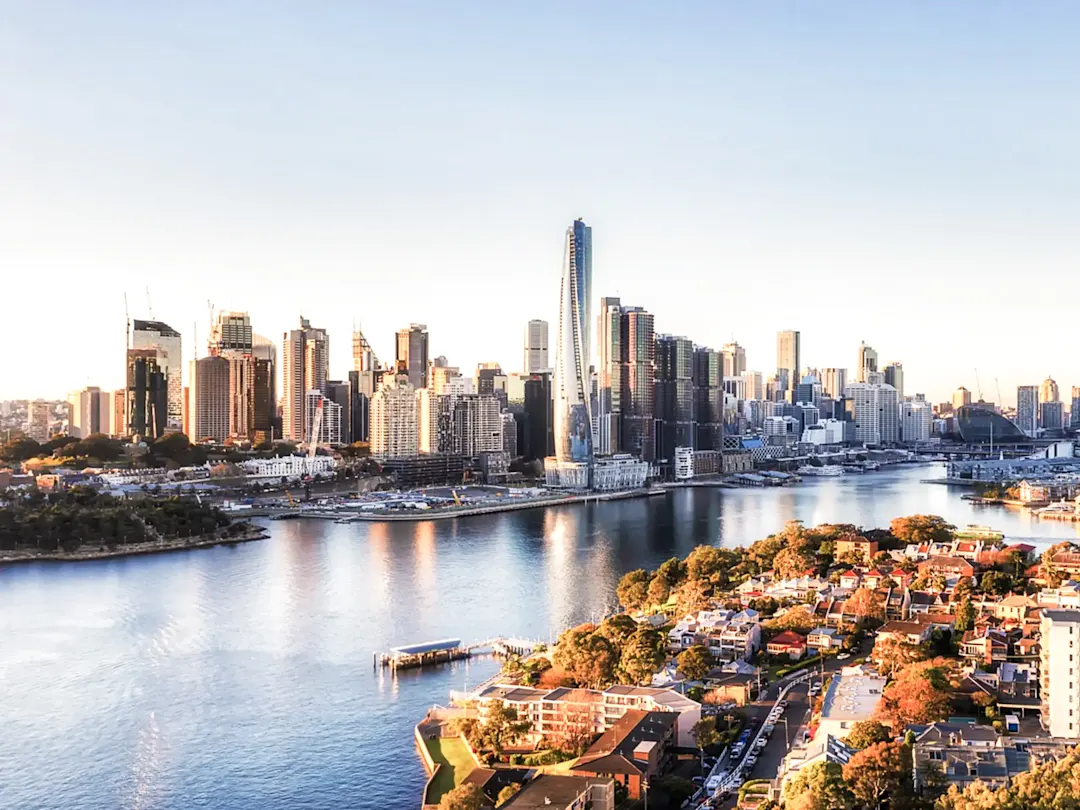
{"type": "Point", "coordinates": [572, 418]}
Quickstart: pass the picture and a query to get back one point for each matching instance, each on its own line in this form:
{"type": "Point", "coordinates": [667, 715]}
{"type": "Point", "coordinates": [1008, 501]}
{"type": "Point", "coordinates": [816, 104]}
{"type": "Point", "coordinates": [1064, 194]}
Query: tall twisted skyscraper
{"type": "Point", "coordinates": [572, 419]}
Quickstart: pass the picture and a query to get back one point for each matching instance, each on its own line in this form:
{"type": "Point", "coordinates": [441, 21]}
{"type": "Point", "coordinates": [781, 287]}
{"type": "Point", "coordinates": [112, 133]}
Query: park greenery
{"type": "Point", "coordinates": [618, 650]}
{"type": "Point", "coordinates": [82, 518]}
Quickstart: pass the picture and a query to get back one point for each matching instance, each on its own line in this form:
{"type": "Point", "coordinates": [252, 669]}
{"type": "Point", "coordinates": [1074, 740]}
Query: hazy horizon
{"type": "Point", "coordinates": [900, 175]}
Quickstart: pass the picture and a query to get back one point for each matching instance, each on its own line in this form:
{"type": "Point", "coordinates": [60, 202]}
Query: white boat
{"type": "Point", "coordinates": [830, 471]}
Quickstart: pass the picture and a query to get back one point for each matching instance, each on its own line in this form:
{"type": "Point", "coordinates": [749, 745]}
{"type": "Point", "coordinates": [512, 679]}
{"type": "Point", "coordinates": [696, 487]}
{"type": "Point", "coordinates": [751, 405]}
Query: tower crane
{"type": "Point", "coordinates": [1000, 402]}
{"type": "Point", "coordinates": [978, 385]}
{"type": "Point", "coordinates": [316, 426]}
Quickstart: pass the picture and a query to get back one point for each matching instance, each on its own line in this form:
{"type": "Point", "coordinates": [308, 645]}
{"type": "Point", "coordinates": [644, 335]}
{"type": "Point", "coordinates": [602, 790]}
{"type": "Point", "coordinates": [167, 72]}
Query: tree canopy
{"type": "Point", "coordinates": [587, 656]}
{"type": "Point", "coordinates": [920, 693]}
{"type": "Point", "coordinates": [695, 662]}
{"type": "Point", "coordinates": [916, 529]}
{"type": "Point", "coordinates": [633, 589]}
{"type": "Point", "coordinates": [464, 797]}
{"type": "Point", "coordinates": [865, 733]}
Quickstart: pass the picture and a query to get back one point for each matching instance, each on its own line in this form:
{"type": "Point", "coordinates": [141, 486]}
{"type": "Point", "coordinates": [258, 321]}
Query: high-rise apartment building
{"type": "Point", "coordinates": [211, 394]}
{"type": "Point", "coordinates": [538, 411]}
{"type": "Point", "coordinates": [119, 422]}
{"type": "Point", "coordinates": [788, 358]}
{"type": "Point", "coordinates": [675, 422]}
{"type": "Point", "coordinates": [961, 397]}
{"type": "Point", "coordinates": [1048, 391]}
{"type": "Point", "coordinates": [734, 359]}
{"type": "Point", "coordinates": [305, 367]}
{"type": "Point", "coordinates": [637, 403]}
{"type": "Point", "coordinates": [434, 419]}
{"type": "Point", "coordinates": [330, 426]}
{"type": "Point", "coordinates": [265, 422]}
{"type": "Point", "coordinates": [1027, 408]}
{"type": "Point", "coordinates": [894, 376]}
{"type": "Point", "coordinates": [90, 411]}
{"type": "Point", "coordinates": [609, 365]}
{"type": "Point", "coordinates": [753, 385]}
{"type": "Point", "coordinates": [394, 428]}
{"type": "Point", "coordinates": [867, 363]}
{"type": "Point", "coordinates": [1074, 408]}
{"type": "Point", "coordinates": [876, 413]}
{"type": "Point", "coordinates": [360, 412]}
{"type": "Point", "coordinates": [1052, 415]}
{"type": "Point", "coordinates": [412, 353]}
{"type": "Point", "coordinates": [536, 347]}
{"type": "Point", "coordinates": [364, 358]}
{"type": "Point", "coordinates": [477, 425]}
{"type": "Point", "coordinates": [340, 393]}
{"type": "Point", "coordinates": [573, 420]}
{"type": "Point", "coordinates": [1059, 673]}
{"type": "Point", "coordinates": [916, 420]}
{"type": "Point", "coordinates": [38, 416]}
{"type": "Point", "coordinates": [708, 371]}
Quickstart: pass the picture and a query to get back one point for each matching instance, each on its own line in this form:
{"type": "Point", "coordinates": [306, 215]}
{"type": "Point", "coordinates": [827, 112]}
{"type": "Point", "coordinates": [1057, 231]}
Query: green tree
{"type": "Point", "coordinates": [633, 589]}
{"type": "Point", "coordinates": [463, 797]}
{"type": "Point", "coordinates": [19, 449]}
{"type": "Point", "coordinates": [586, 656]}
{"type": "Point", "coordinates": [916, 529]}
{"type": "Point", "coordinates": [819, 787]}
{"type": "Point", "coordinates": [997, 583]}
{"type": "Point", "coordinates": [866, 605]}
{"type": "Point", "coordinates": [874, 773]}
{"type": "Point", "coordinates": [617, 629]}
{"type": "Point", "coordinates": [642, 655]}
{"type": "Point", "coordinates": [801, 619]}
{"type": "Point", "coordinates": [704, 733]}
{"type": "Point", "coordinates": [865, 733]}
{"type": "Point", "coordinates": [695, 662]}
{"type": "Point", "coordinates": [920, 693]}
{"type": "Point", "coordinates": [502, 727]}
{"type": "Point", "coordinates": [965, 615]}
{"type": "Point", "coordinates": [171, 446]}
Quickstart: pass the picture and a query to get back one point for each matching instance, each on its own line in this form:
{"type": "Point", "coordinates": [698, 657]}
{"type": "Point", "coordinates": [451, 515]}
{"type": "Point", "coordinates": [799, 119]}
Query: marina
{"type": "Point", "coordinates": [430, 653]}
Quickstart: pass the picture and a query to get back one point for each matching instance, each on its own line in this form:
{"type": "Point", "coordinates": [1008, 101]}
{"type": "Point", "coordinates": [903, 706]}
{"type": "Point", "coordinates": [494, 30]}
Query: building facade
{"type": "Point", "coordinates": [412, 353]}
{"type": "Point", "coordinates": [1027, 409]}
{"type": "Point", "coordinates": [1060, 684]}
{"type": "Point", "coordinates": [394, 429]}
{"type": "Point", "coordinates": [536, 347]}
{"type": "Point", "coordinates": [305, 367]}
{"type": "Point", "coordinates": [38, 416]}
{"type": "Point", "coordinates": [894, 376]}
{"type": "Point", "coordinates": [734, 359]}
{"type": "Point", "coordinates": [572, 417]}
{"type": "Point", "coordinates": [788, 358]}
{"type": "Point", "coordinates": [477, 425]}
{"type": "Point", "coordinates": [89, 411]}
{"type": "Point", "coordinates": [210, 393]}
{"type": "Point", "coordinates": [833, 382]}
{"type": "Point", "coordinates": [609, 366]}
{"type": "Point", "coordinates": [866, 364]}
{"type": "Point", "coordinates": [916, 420]}
{"type": "Point", "coordinates": [166, 340]}
{"type": "Point", "coordinates": [147, 393]}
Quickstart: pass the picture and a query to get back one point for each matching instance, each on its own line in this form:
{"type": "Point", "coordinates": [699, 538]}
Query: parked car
{"type": "Point", "coordinates": [698, 780]}
{"type": "Point", "coordinates": [815, 688]}
{"type": "Point", "coordinates": [782, 704]}
{"type": "Point", "coordinates": [844, 656]}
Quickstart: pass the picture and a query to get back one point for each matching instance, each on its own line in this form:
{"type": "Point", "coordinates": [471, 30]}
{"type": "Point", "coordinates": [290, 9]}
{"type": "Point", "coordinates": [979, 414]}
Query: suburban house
{"type": "Point", "coordinates": [966, 753]}
{"type": "Point", "coordinates": [734, 687]}
{"type": "Point", "coordinates": [877, 578]}
{"type": "Point", "coordinates": [850, 579]}
{"type": "Point", "coordinates": [861, 547]}
{"type": "Point", "coordinates": [926, 601]}
{"type": "Point", "coordinates": [727, 634]}
{"type": "Point", "coordinates": [984, 645]}
{"type": "Point", "coordinates": [821, 749]}
{"type": "Point", "coordinates": [1015, 607]}
{"type": "Point", "coordinates": [787, 643]}
{"type": "Point", "coordinates": [1066, 595]}
{"type": "Point", "coordinates": [825, 638]}
{"type": "Point", "coordinates": [636, 749]}
{"type": "Point", "coordinates": [911, 632]}
{"type": "Point", "coordinates": [949, 567]}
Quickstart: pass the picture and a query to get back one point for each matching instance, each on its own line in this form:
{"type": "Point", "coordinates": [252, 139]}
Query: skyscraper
{"type": "Point", "coordinates": [231, 332]}
{"type": "Point", "coordinates": [916, 420]}
{"type": "Point", "coordinates": [788, 358]}
{"type": "Point", "coordinates": [1048, 391]}
{"type": "Point", "coordinates": [675, 423]}
{"type": "Point", "coordinates": [867, 363]}
{"type": "Point", "coordinates": [876, 413]}
{"type": "Point", "coordinates": [166, 340]}
{"type": "Point", "coordinates": [364, 358]}
{"type": "Point", "coordinates": [38, 416]}
{"type": "Point", "coordinates": [1074, 408]}
{"type": "Point", "coordinates": [894, 376]}
{"type": "Point", "coordinates": [1027, 408]}
{"type": "Point", "coordinates": [147, 392]}
{"type": "Point", "coordinates": [210, 391]}
{"type": "Point", "coordinates": [264, 424]}
{"type": "Point", "coordinates": [412, 351]}
{"type": "Point", "coordinates": [305, 367]}
{"type": "Point", "coordinates": [638, 401]}
{"type": "Point", "coordinates": [708, 398]}
{"type": "Point", "coordinates": [961, 397]}
{"type": "Point", "coordinates": [89, 412]}
{"type": "Point", "coordinates": [833, 382]}
{"type": "Point", "coordinates": [394, 429]}
{"type": "Point", "coordinates": [609, 362]}
{"type": "Point", "coordinates": [434, 419]}
{"type": "Point", "coordinates": [734, 359]}
{"type": "Point", "coordinates": [573, 421]}
{"type": "Point", "coordinates": [536, 347]}
{"type": "Point", "coordinates": [477, 425]}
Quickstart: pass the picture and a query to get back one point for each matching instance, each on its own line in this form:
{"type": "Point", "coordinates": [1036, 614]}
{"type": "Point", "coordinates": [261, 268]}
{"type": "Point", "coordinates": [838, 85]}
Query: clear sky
{"type": "Point", "coordinates": [900, 173]}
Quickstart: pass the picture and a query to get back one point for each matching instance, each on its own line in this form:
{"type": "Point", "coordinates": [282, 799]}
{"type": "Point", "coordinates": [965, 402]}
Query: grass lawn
{"type": "Point", "coordinates": [455, 763]}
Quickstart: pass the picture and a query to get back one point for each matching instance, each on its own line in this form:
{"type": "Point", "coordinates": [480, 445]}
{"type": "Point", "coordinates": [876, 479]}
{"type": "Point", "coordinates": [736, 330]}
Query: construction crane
{"type": "Point", "coordinates": [316, 426]}
{"type": "Point", "coordinates": [1000, 402]}
{"type": "Point", "coordinates": [457, 500]}
{"type": "Point", "coordinates": [978, 386]}
{"type": "Point", "coordinates": [127, 326]}
{"type": "Point", "coordinates": [149, 304]}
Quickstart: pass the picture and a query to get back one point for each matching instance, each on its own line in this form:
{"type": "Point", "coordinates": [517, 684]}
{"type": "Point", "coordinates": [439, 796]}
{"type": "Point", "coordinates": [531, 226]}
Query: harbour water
{"type": "Point", "coordinates": [242, 677]}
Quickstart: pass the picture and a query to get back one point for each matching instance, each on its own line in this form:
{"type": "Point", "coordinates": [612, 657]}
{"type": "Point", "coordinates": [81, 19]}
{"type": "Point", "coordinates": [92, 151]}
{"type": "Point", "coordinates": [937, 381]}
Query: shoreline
{"type": "Point", "coordinates": [250, 534]}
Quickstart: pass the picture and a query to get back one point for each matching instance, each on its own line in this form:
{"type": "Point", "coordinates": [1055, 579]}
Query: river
{"type": "Point", "coordinates": [242, 677]}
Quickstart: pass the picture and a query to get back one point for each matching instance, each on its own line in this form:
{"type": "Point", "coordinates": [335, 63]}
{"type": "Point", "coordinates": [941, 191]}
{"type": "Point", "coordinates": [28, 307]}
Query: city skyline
{"type": "Point", "coordinates": [716, 147]}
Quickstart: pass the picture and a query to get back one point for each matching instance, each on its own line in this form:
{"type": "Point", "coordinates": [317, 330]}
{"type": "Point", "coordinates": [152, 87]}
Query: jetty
{"type": "Point", "coordinates": [426, 653]}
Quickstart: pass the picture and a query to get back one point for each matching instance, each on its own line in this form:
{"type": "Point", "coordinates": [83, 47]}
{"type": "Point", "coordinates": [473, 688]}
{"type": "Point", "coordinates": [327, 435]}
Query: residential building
{"type": "Point", "coordinates": [536, 347]}
{"type": "Point", "coordinates": [852, 696]}
{"type": "Point", "coordinates": [833, 382]}
{"type": "Point", "coordinates": [867, 363]}
{"type": "Point", "coordinates": [510, 434]}
{"type": "Point", "coordinates": [708, 398]}
{"type": "Point", "coordinates": [909, 632]}
{"type": "Point", "coordinates": [637, 404]}
{"type": "Point", "coordinates": [734, 359]}
{"type": "Point", "coordinates": [434, 417]}
{"type": "Point", "coordinates": [788, 358]}
{"type": "Point", "coordinates": [394, 430]}
{"type": "Point", "coordinates": [787, 643]}
{"type": "Point", "coordinates": [862, 548]}
{"type": "Point", "coordinates": [1074, 408]}
{"type": "Point", "coordinates": [1059, 665]}
{"type": "Point", "coordinates": [961, 754]}
{"type": "Point", "coordinates": [729, 635]}
{"type": "Point", "coordinates": [477, 425]}
{"type": "Point", "coordinates": [340, 393]}
{"type": "Point", "coordinates": [89, 411]}
{"type": "Point", "coordinates": [1027, 409]}
{"type": "Point", "coordinates": [119, 422]}
{"type": "Point", "coordinates": [674, 379]}
{"type": "Point", "coordinates": [573, 420]}
{"type": "Point", "coordinates": [169, 359]}
{"type": "Point", "coordinates": [894, 376]}
{"type": "Point", "coordinates": [984, 645]}
{"type": "Point", "coordinates": [304, 367]}
{"type": "Point", "coordinates": [825, 638]}
{"type": "Point", "coordinates": [38, 416]}
{"type": "Point", "coordinates": [876, 413]}
{"type": "Point", "coordinates": [636, 749]}
{"type": "Point", "coordinates": [209, 391]}
{"type": "Point", "coordinates": [609, 368]}
{"type": "Point", "coordinates": [412, 353]}
{"type": "Point", "coordinates": [916, 420]}
{"type": "Point", "coordinates": [1052, 415]}
{"type": "Point", "coordinates": [550, 791]}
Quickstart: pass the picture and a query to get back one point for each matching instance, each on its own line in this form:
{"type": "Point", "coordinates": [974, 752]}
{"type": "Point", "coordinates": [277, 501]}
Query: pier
{"type": "Point", "coordinates": [410, 656]}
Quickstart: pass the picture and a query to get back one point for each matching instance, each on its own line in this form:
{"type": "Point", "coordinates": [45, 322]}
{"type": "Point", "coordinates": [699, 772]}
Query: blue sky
{"type": "Point", "coordinates": [900, 173]}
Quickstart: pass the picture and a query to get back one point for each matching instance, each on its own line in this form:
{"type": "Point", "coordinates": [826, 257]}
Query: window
{"type": "Point", "coordinates": [937, 756]}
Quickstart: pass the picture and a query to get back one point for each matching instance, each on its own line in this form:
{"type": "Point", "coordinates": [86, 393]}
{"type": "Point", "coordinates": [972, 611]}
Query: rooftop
{"type": "Point", "coordinates": [852, 697]}
{"type": "Point", "coordinates": [427, 647]}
